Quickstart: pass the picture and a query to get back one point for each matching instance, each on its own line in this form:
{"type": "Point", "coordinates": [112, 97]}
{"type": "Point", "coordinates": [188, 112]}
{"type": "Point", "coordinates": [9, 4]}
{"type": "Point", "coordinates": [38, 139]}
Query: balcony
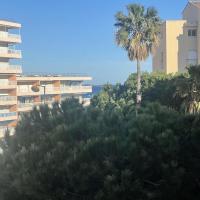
{"type": "Point", "coordinates": [4, 129]}
{"type": "Point", "coordinates": [11, 69]}
{"type": "Point", "coordinates": [9, 38]}
{"type": "Point", "coordinates": [53, 90]}
{"type": "Point", "coordinates": [8, 84]}
{"type": "Point", "coordinates": [76, 89]}
{"type": "Point", "coordinates": [8, 100]}
{"type": "Point", "coordinates": [27, 92]}
{"type": "Point", "coordinates": [30, 92]}
{"type": "Point", "coordinates": [8, 116]}
{"type": "Point", "coordinates": [25, 107]}
{"type": "Point", "coordinates": [10, 53]}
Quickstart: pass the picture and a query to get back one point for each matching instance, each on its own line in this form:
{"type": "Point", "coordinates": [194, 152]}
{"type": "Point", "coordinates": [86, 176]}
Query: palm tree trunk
{"type": "Point", "coordinates": [138, 91]}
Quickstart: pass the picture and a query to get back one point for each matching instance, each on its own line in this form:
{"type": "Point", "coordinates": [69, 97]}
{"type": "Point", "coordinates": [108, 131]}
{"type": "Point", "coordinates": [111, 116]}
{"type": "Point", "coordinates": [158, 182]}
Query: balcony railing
{"type": "Point", "coordinates": [10, 67]}
{"type": "Point", "coordinates": [75, 87]}
{"type": "Point", "coordinates": [4, 129]}
{"type": "Point", "coordinates": [10, 114]}
{"type": "Point", "coordinates": [14, 51]}
{"type": "Point", "coordinates": [22, 105]}
{"type": "Point", "coordinates": [81, 89]}
{"type": "Point", "coordinates": [29, 106]}
{"type": "Point", "coordinates": [10, 37]}
{"type": "Point", "coordinates": [6, 83]}
{"type": "Point", "coordinates": [50, 90]}
{"type": "Point", "coordinates": [8, 98]}
{"type": "Point", "coordinates": [15, 67]}
{"type": "Point", "coordinates": [10, 53]}
{"type": "Point", "coordinates": [16, 36]}
{"type": "Point", "coordinates": [41, 91]}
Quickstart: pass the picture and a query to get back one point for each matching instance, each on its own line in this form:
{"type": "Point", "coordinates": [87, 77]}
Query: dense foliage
{"type": "Point", "coordinates": [105, 152]}
{"type": "Point", "coordinates": [180, 92]}
{"type": "Point", "coordinates": [156, 87]}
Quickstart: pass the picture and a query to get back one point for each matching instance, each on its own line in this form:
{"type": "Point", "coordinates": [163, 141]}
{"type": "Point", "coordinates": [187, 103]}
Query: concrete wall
{"type": "Point", "coordinates": [190, 13]}
{"type": "Point", "coordinates": [159, 58]}
{"type": "Point", "coordinates": [166, 57]}
{"type": "Point", "coordinates": [173, 30]}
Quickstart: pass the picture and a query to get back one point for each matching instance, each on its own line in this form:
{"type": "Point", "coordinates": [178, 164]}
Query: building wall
{"type": "Point", "coordinates": [166, 56]}
{"type": "Point", "coordinates": [173, 30]}
{"type": "Point", "coordinates": [190, 13]}
{"type": "Point", "coordinates": [159, 58]}
{"type": "Point", "coordinates": [8, 83]}
{"type": "Point", "coordinates": [188, 47]}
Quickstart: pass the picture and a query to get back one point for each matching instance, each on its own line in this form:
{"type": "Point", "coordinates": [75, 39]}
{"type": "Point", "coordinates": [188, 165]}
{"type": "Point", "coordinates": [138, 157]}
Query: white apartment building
{"type": "Point", "coordinates": [17, 93]}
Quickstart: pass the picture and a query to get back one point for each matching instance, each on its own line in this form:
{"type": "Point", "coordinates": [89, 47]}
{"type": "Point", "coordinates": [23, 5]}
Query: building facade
{"type": "Point", "coordinates": [179, 41]}
{"type": "Point", "coordinates": [20, 93]}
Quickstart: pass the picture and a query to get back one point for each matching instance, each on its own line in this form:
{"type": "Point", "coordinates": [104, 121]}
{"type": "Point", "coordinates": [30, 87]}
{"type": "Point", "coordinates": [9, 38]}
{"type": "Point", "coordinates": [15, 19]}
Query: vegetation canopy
{"type": "Point", "coordinates": [104, 151]}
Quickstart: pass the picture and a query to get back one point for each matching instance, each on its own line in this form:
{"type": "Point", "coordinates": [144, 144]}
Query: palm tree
{"type": "Point", "coordinates": [138, 33]}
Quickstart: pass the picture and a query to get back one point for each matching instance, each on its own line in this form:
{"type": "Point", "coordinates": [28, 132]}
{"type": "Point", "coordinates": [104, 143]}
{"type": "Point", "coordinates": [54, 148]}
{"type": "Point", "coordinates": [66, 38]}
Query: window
{"type": "Point", "coordinates": [192, 32]}
{"type": "Point", "coordinates": [192, 54]}
{"type": "Point", "coordinates": [192, 57]}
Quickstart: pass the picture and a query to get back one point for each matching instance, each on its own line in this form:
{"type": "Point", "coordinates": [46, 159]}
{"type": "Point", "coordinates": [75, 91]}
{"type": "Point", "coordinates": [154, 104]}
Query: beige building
{"type": "Point", "coordinates": [179, 41]}
{"type": "Point", "coordinates": [17, 93]}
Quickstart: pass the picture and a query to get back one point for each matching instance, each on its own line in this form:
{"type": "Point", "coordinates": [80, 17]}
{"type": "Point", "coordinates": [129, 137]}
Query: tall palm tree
{"type": "Point", "coordinates": [138, 33]}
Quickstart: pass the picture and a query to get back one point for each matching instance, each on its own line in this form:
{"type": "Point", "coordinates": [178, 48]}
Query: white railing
{"type": "Point", "coordinates": [51, 89]}
{"type": "Point", "coordinates": [15, 67]}
{"type": "Point", "coordinates": [10, 114]}
{"type": "Point", "coordinates": [16, 36]}
{"type": "Point", "coordinates": [25, 90]}
{"type": "Point", "coordinates": [27, 105]}
{"type": "Point", "coordinates": [22, 105]}
{"type": "Point", "coordinates": [8, 98]}
{"type": "Point", "coordinates": [4, 129]}
{"type": "Point", "coordinates": [6, 83]}
{"type": "Point", "coordinates": [75, 87]}
{"type": "Point", "coordinates": [14, 51]}
{"type": "Point", "coordinates": [4, 35]}
{"type": "Point", "coordinates": [41, 91]}
{"type": "Point", "coordinates": [10, 67]}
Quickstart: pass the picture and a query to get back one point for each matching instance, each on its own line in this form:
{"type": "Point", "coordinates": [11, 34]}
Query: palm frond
{"type": "Point", "coordinates": [138, 31]}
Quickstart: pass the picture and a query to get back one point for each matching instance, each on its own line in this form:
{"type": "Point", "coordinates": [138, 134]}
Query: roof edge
{"type": "Point", "coordinates": [9, 24]}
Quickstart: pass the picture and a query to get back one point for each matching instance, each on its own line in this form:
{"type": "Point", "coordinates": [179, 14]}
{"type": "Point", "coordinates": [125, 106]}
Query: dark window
{"type": "Point", "coordinates": [192, 32]}
{"type": "Point", "coordinates": [189, 32]}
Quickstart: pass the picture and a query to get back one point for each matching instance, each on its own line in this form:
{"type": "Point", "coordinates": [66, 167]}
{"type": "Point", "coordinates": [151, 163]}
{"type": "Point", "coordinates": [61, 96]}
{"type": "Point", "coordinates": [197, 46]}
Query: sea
{"type": "Point", "coordinates": [96, 89]}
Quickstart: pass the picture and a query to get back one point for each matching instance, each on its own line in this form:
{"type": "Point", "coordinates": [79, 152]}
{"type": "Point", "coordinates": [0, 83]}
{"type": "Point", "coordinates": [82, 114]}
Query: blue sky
{"type": "Point", "coordinates": [77, 36]}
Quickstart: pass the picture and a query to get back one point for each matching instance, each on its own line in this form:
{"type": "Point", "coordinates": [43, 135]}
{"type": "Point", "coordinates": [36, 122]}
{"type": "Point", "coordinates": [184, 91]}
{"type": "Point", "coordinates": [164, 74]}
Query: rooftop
{"type": "Point", "coordinates": [9, 24]}
{"type": "Point", "coordinates": [51, 77]}
{"type": "Point", "coordinates": [39, 74]}
{"type": "Point", "coordinates": [195, 3]}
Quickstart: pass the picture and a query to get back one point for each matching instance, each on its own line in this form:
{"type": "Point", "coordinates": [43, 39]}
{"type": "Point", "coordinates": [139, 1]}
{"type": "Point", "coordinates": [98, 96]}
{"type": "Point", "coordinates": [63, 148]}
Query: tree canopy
{"type": "Point", "coordinates": [103, 153]}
